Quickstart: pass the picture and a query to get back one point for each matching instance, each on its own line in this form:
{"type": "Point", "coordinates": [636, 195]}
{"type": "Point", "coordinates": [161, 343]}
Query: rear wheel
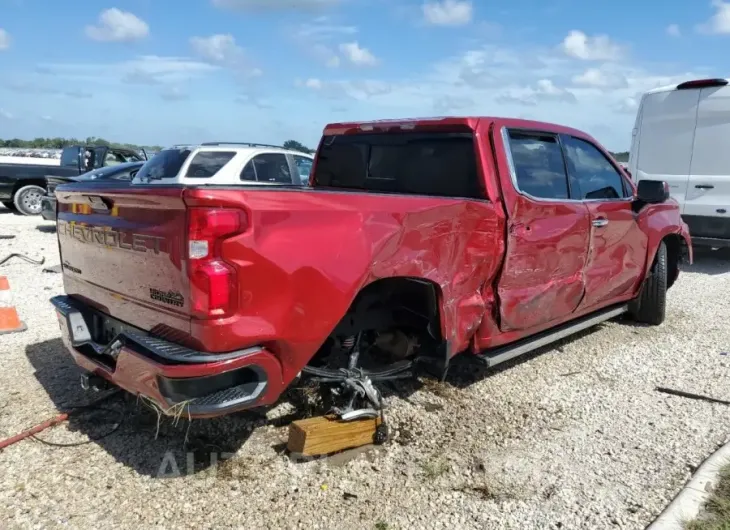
{"type": "Point", "coordinates": [650, 307]}
{"type": "Point", "coordinates": [28, 199]}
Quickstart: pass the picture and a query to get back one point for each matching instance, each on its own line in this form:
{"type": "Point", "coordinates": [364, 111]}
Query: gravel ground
{"type": "Point", "coordinates": [572, 437]}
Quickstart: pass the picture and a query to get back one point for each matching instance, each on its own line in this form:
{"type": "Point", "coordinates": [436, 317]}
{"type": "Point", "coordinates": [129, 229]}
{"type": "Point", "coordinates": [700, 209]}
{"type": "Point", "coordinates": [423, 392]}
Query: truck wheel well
{"type": "Point", "coordinates": [674, 255]}
{"type": "Point", "coordinates": [29, 182]}
{"type": "Point", "coordinates": [394, 318]}
{"type": "Point", "coordinates": [392, 302]}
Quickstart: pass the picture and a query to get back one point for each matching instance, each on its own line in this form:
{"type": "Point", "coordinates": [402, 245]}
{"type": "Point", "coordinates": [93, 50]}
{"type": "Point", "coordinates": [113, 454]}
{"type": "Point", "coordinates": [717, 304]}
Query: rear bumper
{"type": "Point", "coordinates": [48, 208]}
{"type": "Point", "coordinates": [175, 378]}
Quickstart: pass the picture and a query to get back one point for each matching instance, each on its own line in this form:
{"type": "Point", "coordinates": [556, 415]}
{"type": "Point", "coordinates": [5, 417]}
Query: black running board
{"type": "Point", "coordinates": [510, 351]}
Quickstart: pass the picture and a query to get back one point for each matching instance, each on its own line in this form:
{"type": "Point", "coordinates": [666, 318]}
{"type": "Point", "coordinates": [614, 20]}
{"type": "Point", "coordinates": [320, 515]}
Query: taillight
{"type": "Point", "coordinates": [213, 283]}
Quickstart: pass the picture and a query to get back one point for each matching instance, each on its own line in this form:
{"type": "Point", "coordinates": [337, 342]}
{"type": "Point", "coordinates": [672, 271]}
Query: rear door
{"type": "Point", "coordinates": [707, 204]}
{"type": "Point", "coordinates": [617, 244]}
{"type": "Point", "coordinates": [666, 134]}
{"type": "Point", "coordinates": [547, 233]}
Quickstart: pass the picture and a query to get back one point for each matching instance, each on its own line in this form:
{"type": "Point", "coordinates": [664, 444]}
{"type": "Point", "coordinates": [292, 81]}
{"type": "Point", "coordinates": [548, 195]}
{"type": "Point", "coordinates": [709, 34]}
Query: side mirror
{"type": "Point", "coordinates": [652, 191]}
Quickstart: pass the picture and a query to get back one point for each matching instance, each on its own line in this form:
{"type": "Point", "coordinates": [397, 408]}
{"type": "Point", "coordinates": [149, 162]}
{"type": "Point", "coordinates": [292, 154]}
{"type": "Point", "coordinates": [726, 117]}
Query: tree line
{"type": "Point", "coordinates": [60, 143]}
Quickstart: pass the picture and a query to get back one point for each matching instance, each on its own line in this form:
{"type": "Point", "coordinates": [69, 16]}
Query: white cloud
{"type": "Point", "coordinates": [360, 90]}
{"type": "Point", "coordinates": [313, 83]}
{"type": "Point", "coordinates": [544, 90]}
{"type": "Point", "coordinates": [593, 77]}
{"type": "Point", "coordinates": [599, 48]}
{"type": "Point", "coordinates": [115, 25]}
{"type": "Point", "coordinates": [448, 12]}
{"type": "Point", "coordinates": [628, 105]}
{"type": "Point", "coordinates": [719, 23]}
{"type": "Point", "coordinates": [4, 40]}
{"type": "Point", "coordinates": [673, 30]}
{"type": "Point", "coordinates": [173, 93]}
{"type": "Point", "coordinates": [271, 5]}
{"type": "Point", "coordinates": [217, 48]}
{"type": "Point", "coordinates": [322, 27]}
{"type": "Point", "coordinates": [357, 55]}
{"type": "Point", "coordinates": [530, 82]}
{"type": "Point", "coordinates": [146, 69]}
{"type": "Point", "coordinates": [43, 89]}
{"type": "Point", "coordinates": [315, 38]}
{"type": "Point", "coordinates": [222, 50]}
{"type": "Point", "coordinates": [6, 115]}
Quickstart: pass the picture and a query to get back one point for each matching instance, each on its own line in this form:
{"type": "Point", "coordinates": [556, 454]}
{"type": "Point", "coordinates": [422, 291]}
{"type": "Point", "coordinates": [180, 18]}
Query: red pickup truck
{"type": "Point", "coordinates": [416, 239]}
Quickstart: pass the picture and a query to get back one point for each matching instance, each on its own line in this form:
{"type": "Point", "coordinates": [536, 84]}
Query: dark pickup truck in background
{"type": "Point", "coordinates": [22, 186]}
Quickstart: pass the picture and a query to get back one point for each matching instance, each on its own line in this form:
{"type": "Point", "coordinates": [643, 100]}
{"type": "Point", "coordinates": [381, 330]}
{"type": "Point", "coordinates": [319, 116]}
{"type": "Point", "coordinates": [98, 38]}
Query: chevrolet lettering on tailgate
{"type": "Point", "coordinates": [108, 237]}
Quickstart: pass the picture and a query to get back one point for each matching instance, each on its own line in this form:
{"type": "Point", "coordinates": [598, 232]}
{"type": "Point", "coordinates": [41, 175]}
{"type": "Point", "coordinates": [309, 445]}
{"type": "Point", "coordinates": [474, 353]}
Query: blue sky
{"type": "Point", "coordinates": [163, 72]}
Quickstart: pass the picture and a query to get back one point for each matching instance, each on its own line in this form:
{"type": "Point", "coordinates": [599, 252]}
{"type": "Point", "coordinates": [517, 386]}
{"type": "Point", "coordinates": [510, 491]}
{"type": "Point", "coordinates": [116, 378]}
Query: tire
{"type": "Point", "coordinates": [651, 305]}
{"type": "Point", "coordinates": [9, 205]}
{"type": "Point", "coordinates": [27, 200]}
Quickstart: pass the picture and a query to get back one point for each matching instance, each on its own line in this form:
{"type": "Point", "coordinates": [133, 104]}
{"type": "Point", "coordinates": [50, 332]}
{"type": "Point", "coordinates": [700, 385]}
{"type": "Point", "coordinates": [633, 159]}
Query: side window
{"type": "Point", "coordinates": [591, 172]}
{"type": "Point", "coordinates": [205, 164]}
{"type": "Point", "coordinates": [538, 164]}
{"type": "Point", "coordinates": [249, 172]}
{"type": "Point", "coordinates": [268, 167]}
{"type": "Point", "coordinates": [304, 167]}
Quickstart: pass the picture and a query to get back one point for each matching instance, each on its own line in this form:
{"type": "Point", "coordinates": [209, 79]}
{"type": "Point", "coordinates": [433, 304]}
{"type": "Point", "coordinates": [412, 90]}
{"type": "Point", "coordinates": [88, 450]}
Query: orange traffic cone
{"type": "Point", "coordinates": [9, 321]}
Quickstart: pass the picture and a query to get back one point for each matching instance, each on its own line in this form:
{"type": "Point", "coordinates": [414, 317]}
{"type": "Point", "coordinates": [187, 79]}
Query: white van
{"type": "Point", "coordinates": [682, 136]}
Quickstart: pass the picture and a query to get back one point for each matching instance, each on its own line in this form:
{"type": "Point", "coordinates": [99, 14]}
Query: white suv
{"type": "Point", "coordinates": [226, 163]}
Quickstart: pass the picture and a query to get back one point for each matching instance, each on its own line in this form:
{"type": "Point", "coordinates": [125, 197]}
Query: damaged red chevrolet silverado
{"type": "Point", "coordinates": [416, 241]}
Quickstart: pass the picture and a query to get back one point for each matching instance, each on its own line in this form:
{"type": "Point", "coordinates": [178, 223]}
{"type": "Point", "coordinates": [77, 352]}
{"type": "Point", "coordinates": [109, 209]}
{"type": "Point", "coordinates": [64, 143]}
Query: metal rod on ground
{"type": "Point", "coordinates": [50, 423]}
{"type": "Point", "coordinates": [690, 395]}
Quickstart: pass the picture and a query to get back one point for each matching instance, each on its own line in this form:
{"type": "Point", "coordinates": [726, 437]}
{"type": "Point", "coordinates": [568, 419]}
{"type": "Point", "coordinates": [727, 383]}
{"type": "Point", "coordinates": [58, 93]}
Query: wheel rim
{"type": "Point", "coordinates": [31, 201]}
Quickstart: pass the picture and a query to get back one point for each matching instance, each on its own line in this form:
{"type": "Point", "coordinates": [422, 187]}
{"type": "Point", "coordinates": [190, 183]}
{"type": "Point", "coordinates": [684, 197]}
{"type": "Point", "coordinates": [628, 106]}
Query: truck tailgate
{"type": "Point", "coordinates": [123, 250]}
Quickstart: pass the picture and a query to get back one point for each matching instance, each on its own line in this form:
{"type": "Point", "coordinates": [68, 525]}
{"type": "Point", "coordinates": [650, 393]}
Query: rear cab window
{"type": "Point", "coordinates": [419, 163]}
{"type": "Point", "coordinates": [165, 164]}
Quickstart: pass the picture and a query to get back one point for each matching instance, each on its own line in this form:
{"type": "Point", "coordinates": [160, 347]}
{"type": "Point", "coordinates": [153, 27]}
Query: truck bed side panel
{"type": "Point", "coordinates": [309, 253]}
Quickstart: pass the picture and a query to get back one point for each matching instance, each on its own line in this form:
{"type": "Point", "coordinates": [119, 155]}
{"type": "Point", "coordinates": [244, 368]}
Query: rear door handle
{"type": "Point", "coordinates": [704, 186]}
{"type": "Point", "coordinates": [598, 223]}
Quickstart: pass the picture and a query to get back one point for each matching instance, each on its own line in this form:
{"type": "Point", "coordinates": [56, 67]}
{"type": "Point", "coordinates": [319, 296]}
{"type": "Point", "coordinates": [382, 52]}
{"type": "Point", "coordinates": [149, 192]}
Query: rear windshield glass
{"type": "Point", "coordinates": [207, 163]}
{"type": "Point", "coordinates": [165, 164]}
{"type": "Point", "coordinates": [442, 164]}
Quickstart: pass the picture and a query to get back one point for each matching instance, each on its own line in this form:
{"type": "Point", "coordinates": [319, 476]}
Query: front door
{"type": "Point", "coordinates": [547, 233]}
{"type": "Point", "coordinates": [617, 244]}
